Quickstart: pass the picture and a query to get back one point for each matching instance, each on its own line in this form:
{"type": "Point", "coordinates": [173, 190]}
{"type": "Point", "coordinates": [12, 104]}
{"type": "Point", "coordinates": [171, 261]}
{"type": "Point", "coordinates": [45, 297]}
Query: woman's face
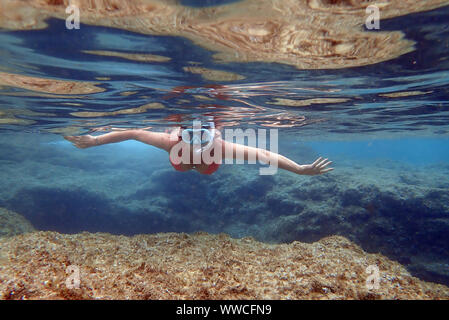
{"type": "Point", "coordinates": [186, 145]}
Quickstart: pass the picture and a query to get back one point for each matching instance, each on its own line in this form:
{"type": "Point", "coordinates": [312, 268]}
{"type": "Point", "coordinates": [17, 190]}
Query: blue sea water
{"type": "Point", "coordinates": [388, 191]}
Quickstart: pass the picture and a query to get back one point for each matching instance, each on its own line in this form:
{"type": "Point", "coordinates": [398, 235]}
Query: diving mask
{"type": "Point", "coordinates": [201, 137]}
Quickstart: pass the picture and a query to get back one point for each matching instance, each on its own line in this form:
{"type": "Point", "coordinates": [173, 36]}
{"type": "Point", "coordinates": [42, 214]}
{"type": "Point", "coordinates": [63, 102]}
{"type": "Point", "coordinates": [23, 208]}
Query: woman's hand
{"type": "Point", "coordinates": [318, 167]}
{"type": "Point", "coordinates": [82, 142]}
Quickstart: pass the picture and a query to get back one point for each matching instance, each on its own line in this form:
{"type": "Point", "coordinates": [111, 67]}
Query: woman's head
{"type": "Point", "coordinates": [200, 137]}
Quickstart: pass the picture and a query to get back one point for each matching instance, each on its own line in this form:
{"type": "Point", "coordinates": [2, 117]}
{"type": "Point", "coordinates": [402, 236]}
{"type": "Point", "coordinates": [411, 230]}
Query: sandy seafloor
{"type": "Point", "coordinates": [198, 266]}
{"type": "Point", "coordinates": [265, 237]}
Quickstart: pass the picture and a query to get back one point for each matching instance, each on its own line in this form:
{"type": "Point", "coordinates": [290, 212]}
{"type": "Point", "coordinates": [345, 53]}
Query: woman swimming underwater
{"type": "Point", "coordinates": [198, 141]}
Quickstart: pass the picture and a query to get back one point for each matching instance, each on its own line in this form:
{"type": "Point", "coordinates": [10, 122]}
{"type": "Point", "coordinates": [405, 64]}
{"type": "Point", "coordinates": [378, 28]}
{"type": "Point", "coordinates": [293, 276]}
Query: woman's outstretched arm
{"type": "Point", "coordinates": [158, 139]}
{"type": "Point", "coordinates": [235, 150]}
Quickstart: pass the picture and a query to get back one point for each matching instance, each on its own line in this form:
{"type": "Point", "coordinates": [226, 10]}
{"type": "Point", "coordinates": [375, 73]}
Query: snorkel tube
{"type": "Point", "coordinates": [211, 133]}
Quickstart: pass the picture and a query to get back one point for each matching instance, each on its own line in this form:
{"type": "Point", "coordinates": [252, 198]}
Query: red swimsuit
{"type": "Point", "coordinates": [210, 168]}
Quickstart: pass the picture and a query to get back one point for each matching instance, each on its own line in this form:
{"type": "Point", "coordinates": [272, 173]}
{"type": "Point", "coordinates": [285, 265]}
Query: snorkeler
{"type": "Point", "coordinates": [197, 141]}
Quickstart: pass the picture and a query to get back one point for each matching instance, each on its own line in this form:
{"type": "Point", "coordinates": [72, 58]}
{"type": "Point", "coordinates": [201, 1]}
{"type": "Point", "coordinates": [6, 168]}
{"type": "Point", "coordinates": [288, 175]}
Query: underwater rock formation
{"type": "Point", "coordinates": [399, 211]}
{"type": "Point", "coordinates": [12, 223]}
{"type": "Point", "coordinates": [48, 85]}
{"type": "Point", "coordinates": [130, 56]}
{"type": "Point", "coordinates": [141, 109]}
{"type": "Point", "coordinates": [10, 116]}
{"type": "Point", "coordinates": [308, 34]}
{"type": "Point", "coordinates": [306, 102]}
{"type": "Point", "coordinates": [214, 75]}
{"type": "Point", "coordinates": [198, 266]}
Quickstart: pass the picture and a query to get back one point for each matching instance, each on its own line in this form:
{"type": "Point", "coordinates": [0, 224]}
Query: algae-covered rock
{"type": "Point", "coordinates": [12, 223]}
{"type": "Point", "coordinates": [198, 266]}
